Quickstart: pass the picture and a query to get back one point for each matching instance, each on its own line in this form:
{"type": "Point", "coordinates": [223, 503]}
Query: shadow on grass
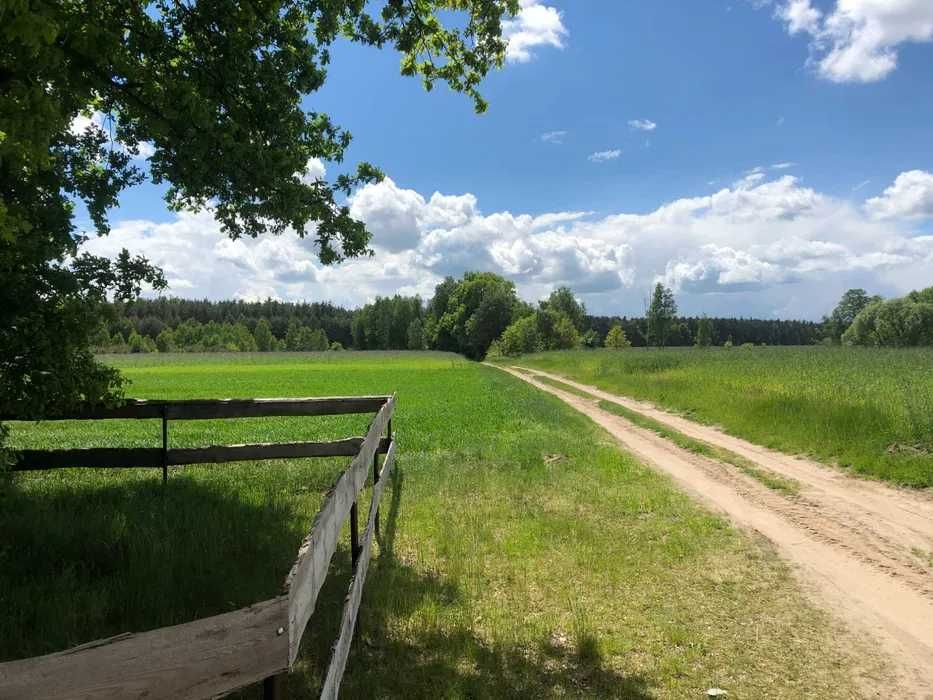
{"type": "Point", "coordinates": [391, 659]}
{"type": "Point", "coordinates": [87, 558]}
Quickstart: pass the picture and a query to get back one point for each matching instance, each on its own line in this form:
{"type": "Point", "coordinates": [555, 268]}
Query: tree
{"type": "Point", "coordinates": [415, 335]}
{"type": "Point", "coordinates": [851, 304]}
{"type": "Point", "coordinates": [165, 341]}
{"type": "Point", "coordinates": [215, 90]}
{"type": "Point", "coordinates": [616, 338]}
{"type": "Point", "coordinates": [704, 333]}
{"type": "Point", "coordinates": [902, 322]}
{"type": "Point", "coordinates": [263, 335]}
{"type": "Point", "coordinates": [480, 307]}
{"type": "Point", "coordinates": [562, 301]}
{"type": "Point", "coordinates": [520, 337]}
{"type": "Point", "coordinates": [661, 313]}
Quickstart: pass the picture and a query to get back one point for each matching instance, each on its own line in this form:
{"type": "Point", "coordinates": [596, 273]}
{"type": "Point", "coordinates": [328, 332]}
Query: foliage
{"type": "Point", "coordinates": [562, 301]}
{"type": "Point", "coordinates": [215, 89]}
{"type": "Point", "coordinates": [901, 322]}
{"type": "Point", "coordinates": [616, 339]}
{"type": "Point", "coordinates": [704, 333]}
{"type": "Point", "coordinates": [386, 323]}
{"type": "Point", "coordinates": [660, 316]}
{"type": "Point", "coordinates": [478, 309]}
{"type": "Point", "coordinates": [520, 337]}
{"type": "Point", "coordinates": [851, 304]}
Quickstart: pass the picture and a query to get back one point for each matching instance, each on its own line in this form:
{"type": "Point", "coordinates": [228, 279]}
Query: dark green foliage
{"type": "Point", "coordinates": [386, 323]}
{"type": "Point", "coordinates": [851, 304]}
{"type": "Point", "coordinates": [902, 322]}
{"type": "Point", "coordinates": [660, 316]}
{"type": "Point", "coordinates": [478, 309]}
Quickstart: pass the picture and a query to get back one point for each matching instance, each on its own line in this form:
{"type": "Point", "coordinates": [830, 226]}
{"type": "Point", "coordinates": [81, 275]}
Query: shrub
{"type": "Point", "coordinates": [616, 338]}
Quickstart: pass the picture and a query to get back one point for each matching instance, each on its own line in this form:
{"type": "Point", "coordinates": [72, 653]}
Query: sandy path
{"type": "Point", "coordinates": [852, 541]}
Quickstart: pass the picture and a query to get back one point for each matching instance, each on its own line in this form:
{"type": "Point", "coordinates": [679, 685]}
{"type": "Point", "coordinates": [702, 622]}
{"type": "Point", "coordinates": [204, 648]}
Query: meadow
{"type": "Point", "coordinates": [868, 410]}
{"type": "Point", "coordinates": [523, 554]}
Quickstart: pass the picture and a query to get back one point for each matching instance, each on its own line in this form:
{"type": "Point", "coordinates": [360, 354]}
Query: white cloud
{"type": "Point", "coordinates": [554, 137]}
{"type": "Point", "coordinates": [643, 124]}
{"type": "Point", "coordinates": [535, 25]}
{"type": "Point", "coordinates": [314, 171]}
{"type": "Point", "coordinates": [782, 166]}
{"type": "Point", "coordinates": [80, 124]}
{"type": "Point", "coordinates": [910, 197]}
{"type": "Point", "coordinates": [858, 40]}
{"type": "Point", "coordinates": [603, 156]}
{"type": "Point", "coordinates": [759, 247]}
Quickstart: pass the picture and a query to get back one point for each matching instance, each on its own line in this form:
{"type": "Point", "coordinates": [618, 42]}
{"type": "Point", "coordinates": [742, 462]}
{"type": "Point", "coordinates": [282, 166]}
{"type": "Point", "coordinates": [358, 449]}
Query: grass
{"type": "Point", "coordinates": [788, 487]}
{"type": "Point", "coordinates": [868, 410]}
{"type": "Point", "coordinates": [523, 554]}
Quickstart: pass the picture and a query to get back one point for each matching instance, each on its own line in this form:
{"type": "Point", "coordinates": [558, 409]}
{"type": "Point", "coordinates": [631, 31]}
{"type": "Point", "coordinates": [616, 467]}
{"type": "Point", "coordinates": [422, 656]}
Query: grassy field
{"type": "Point", "coordinates": [869, 410]}
{"type": "Point", "coordinates": [524, 555]}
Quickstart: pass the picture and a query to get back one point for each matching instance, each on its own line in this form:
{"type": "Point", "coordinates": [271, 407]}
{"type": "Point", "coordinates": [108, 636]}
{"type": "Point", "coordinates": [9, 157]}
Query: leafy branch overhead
{"type": "Point", "coordinates": [214, 90]}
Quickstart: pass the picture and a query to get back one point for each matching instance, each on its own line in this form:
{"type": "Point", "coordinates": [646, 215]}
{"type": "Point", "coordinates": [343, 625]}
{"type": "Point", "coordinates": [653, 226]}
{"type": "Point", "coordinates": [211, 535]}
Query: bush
{"type": "Point", "coordinates": [902, 322]}
{"type": "Point", "coordinates": [520, 338]}
{"type": "Point", "coordinates": [616, 339]}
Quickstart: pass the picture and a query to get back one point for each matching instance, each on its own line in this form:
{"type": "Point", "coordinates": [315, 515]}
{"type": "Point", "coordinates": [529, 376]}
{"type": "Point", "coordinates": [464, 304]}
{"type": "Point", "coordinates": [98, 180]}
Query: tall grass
{"type": "Point", "coordinates": [869, 410]}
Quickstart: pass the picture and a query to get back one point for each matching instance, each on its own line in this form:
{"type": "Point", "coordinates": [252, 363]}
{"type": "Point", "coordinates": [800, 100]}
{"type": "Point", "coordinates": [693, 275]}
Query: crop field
{"type": "Point", "coordinates": [869, 410]}
{"type": "Point", "coordinates": [523, 554]}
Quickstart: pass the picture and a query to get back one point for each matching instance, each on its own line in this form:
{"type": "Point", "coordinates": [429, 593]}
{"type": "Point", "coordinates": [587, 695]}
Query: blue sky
{"type": "Point", "coordinates": [626, 142]}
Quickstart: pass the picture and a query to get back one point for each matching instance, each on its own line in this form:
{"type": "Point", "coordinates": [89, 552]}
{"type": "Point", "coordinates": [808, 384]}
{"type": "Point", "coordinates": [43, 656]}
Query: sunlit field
{"type": "Point", "coordinates": [869, 410]}
{"type": "Point", "coordinates": [523, 554]}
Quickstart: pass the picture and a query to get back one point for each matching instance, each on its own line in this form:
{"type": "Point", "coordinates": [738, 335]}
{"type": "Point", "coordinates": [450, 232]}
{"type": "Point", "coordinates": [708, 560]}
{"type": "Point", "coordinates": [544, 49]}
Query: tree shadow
{"type": "Point", "coordinates": [83, 559]}
{"type": "Point", "coordinates": [439, 662]}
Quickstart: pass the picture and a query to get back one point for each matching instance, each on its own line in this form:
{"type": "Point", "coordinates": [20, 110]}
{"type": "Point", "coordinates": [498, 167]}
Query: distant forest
{"type": "Point", "coordinates": [394, 323]}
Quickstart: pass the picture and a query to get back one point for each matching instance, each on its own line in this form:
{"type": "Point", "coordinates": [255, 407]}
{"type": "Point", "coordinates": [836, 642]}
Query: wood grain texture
{"type": "Point", "coordinates": [197, 409]}
{"type": "Point", "coordinates": [199, 659]}
{"type": "Point", "coordinates": [351, 605]}
{"type": "Point", "coordinates": [96, 457]}
{"type": "Point", "coordinates": [310, 569]}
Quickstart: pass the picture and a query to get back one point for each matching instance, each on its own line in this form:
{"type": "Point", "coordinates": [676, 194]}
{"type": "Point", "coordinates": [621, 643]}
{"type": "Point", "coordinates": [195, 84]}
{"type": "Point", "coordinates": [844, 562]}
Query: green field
{"type": "Point", "coordinates": [869, 410]}
{"type": "Point", "coordinates": [524, 555]}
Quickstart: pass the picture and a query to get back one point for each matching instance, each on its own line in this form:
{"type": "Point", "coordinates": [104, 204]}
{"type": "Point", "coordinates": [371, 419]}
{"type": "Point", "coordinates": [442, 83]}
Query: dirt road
{"type": "Point", "coordinates": [864, 548]}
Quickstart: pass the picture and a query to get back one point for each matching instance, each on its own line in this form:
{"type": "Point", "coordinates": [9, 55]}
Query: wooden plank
{"type": "Point", "coordinates": [88, 457]}
{"type": "Point", "coordinates": [195, 660]}
{"type": "Point", "coordinates": [355, 595]}
{"type": "Point", "coordinates": [310, 568]}
{"type": "Point", "coordinates": [197, 409]}
{"type": "Point", "coordinates": [129, 457]}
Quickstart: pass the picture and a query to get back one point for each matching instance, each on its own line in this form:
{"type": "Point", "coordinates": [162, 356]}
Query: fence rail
{"type": "Point", "coordinates": [216, 655]}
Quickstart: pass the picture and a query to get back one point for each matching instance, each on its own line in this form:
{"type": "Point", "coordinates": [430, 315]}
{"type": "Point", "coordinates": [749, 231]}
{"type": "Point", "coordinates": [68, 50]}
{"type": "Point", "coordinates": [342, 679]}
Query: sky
{"type": "Point", "coordinates": [759, 157]}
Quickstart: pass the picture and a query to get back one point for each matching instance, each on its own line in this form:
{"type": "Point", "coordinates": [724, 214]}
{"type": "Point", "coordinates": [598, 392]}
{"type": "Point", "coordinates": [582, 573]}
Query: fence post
{"type": "Point", "coordinates": [272, 688]}
{"type": "Point", "coordinates": [164, 446]}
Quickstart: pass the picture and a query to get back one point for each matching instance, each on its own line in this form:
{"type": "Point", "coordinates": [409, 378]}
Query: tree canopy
{"type": "Point", "coordinates": [214, 90]}
{"type": "Point", "coordinates": [661, 314]}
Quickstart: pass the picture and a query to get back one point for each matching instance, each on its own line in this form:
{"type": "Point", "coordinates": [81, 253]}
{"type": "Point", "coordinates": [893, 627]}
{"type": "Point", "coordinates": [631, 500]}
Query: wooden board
{"type": "Point", "coordinates": [310, 569]}
{"type": "Point", "coordinates": [197, 409]}
{"type": "Point", "coordinates": [355, 595]}
{"type": "Point", "coordinates": [195, 660]}
{"type": "Point", "coordinates": [130, 457]}
{"type": "Point", "coordinates": [96, 457]}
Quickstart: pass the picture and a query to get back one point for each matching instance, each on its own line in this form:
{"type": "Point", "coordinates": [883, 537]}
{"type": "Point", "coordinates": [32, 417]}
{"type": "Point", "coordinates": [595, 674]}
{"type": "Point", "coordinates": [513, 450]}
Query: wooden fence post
{"type": "Point", "coordinates": [354, 535]}
{"type": "Point", "coordinates": [164, 446]}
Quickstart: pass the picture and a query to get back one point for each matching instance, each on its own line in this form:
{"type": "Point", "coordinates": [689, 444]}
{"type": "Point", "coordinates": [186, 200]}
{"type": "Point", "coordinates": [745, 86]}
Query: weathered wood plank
{"type": "Point", "coordinates": [351, 605]}
{"type": "Point", "coordinates": [130, 457]}
{"type": "Point", "coordinates": [195, 660]}
{"type": "Point", "coordinates": [87, 457]}
{"type": "Point", "coordinates": [196, 409]}
{"type": "Point", "coordinates": [310, 568]}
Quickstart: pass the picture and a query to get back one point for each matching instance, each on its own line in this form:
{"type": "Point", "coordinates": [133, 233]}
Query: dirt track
{"type": "Point", "coordinates": [863, 547]}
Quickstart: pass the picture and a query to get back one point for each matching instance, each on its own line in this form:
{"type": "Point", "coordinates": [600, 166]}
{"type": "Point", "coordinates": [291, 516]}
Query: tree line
{"type": "Point", "coordinates": [469, 315]}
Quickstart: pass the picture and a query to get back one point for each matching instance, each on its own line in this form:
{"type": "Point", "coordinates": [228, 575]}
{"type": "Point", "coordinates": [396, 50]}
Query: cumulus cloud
{"type": "Point", "coordinates": [758, 247]}
{"type": "Point", "coordinates": [858, 40]}
{"type": "Point", "coordinates": [99, 120]}
{"type": "Point", "coordinates": [643, 124]}
{"type": "Point", "coordinates": [534, 26]}
{"type": "Point", "coordinates": [910, 197]}
{"type": "Point", "coordinates": [603, 156]}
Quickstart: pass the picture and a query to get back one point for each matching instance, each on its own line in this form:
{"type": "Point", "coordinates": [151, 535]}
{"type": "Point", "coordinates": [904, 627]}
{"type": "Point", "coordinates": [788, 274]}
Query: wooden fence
{"type": "Point", "coordinates": [216, 655]}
